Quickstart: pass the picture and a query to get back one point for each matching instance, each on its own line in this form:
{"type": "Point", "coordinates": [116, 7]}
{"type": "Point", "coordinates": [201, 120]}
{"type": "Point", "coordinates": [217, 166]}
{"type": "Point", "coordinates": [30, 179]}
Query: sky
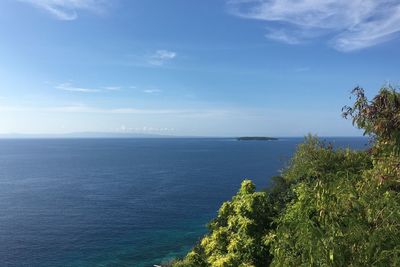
{"type": "Point", "coordinates": [192, 68]}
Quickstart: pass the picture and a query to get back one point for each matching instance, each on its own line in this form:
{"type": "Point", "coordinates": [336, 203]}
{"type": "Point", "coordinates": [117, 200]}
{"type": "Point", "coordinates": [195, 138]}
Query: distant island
{"type": "Point", "coordinates": [256, 138]}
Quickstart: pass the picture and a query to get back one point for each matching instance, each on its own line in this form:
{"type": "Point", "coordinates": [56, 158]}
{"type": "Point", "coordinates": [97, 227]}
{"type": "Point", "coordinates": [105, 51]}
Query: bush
{"type": "Point", "coordinates": [328, 208]}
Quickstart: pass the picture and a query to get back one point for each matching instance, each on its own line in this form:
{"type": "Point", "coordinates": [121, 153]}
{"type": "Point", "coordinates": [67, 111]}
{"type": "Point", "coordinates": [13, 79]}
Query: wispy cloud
{"type": "Point", "coordinates": [144, 129]}
{"type": "Point", "coordinates": [71, 88]}
{"type": "Point", "coordinates": [160, 57]}
{"type": "Point", "coordinates": [282, 36]}
{"type": "Point", "coordinates": [112, 88]}
{"type": "Point", "coordinates": [89, 109]}
{"type": "Point", "coordinates": [81, 108]}
{"type": "Point", "coordinates": [349, 25]}
{"type": "Point", "coordinates": [68, 9]}
{"type": "Point", "coordinates": [152, 91]}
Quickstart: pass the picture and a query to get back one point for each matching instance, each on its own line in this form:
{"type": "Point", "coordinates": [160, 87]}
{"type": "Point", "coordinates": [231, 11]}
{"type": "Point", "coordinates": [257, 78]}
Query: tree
{"type": "Point", "coordinates": [236, 234]}
{"type": "Point", "coordinates": [380, 118]}
{"type": "Point", "coordinates": [346, 209]}
{"type": "Point", "coordinates": [329, 207]}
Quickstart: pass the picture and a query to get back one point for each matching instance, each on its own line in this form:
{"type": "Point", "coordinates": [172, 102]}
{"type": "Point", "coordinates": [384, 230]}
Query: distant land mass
{"type": "Point", "coordinates": [256, 138]}
{"type": "Point", "coordinates": [116, 135]}
{"type": "Point", "coordinates": [83, 135]}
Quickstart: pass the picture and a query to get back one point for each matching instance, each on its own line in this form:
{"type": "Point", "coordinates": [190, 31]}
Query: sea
{"type": "Point", "coordinates": [124, 202]}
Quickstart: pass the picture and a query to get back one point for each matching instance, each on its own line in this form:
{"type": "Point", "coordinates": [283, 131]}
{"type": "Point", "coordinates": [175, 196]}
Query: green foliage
{"type": "Point", "coordinates": [379, 117]}
{"type": "Point", "coordinates": [237, 233]}
{"type": "Point", "coordinates": [280, 194]}
{"type": "Point", "coordinates": [314, 159]}
{"type": "Point", "coordinates": [195, 258]}
{"type": "Point", "coordinates": [339, 216]}
{"type": "Point", "coordinates": [330, 207]}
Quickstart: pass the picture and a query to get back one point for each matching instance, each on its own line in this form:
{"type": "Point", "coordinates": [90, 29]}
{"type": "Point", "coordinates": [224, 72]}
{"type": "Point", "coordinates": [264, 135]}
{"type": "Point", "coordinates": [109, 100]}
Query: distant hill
{"type": "Point", "coordinates": [256, 138]}
{"type": "Point", "coordinates": [83, 135]}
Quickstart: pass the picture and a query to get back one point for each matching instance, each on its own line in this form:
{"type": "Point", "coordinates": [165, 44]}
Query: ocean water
{"type": "Point", "coordinates": [123, 202]}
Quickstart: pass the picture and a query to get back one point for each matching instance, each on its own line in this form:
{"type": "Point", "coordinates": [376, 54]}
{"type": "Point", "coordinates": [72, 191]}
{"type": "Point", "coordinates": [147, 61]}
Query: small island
{"type": "Point", "coordinates": [256, 138]}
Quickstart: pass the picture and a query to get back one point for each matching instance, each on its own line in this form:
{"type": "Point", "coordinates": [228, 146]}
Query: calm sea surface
{"type": "Point", "coordinates": [122, 202]}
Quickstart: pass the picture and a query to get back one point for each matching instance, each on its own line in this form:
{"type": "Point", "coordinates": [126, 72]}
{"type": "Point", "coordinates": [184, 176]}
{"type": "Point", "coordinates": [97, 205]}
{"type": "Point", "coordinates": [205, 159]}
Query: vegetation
{"type": "Point", "coordinates": [330, 207]}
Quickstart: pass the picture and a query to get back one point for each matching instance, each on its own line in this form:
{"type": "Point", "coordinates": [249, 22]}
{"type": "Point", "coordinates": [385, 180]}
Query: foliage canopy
{"type": "Point", "coordinates": [329, 207]}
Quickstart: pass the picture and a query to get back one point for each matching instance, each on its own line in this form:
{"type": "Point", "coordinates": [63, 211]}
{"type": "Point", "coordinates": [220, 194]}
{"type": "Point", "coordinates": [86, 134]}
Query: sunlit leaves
{"type": "Point", "coordinates": [330, 207]}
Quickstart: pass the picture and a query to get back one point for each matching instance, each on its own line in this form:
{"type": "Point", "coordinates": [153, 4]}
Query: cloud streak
{"type": "Point", "coordinates": [348, 25]}
{"type": "Point", "coordinates": [152, 91]}
{"type": "Point", "coordinates": [112, 88]}
{"type": "Point", "coordinates": [67, 9]}
{"type": "Point", "coordinates": [160, 57]}
{"type": "Point", "coordinates": [122, 111]}
{"type": "Point", "coordinates": [71, 88]}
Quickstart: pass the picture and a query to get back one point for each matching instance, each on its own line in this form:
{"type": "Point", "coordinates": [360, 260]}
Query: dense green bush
{"type": "Point", "coordinates": [330, 207]}
{"type": "Point", "coordinates": [237, 234]}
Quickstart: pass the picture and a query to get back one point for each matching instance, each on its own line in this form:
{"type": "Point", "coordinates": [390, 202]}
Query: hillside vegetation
{"type": "Point", "coordinates": [329, 207]}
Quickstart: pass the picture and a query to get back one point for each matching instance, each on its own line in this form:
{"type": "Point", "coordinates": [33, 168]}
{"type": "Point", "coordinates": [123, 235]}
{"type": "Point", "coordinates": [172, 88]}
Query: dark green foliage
{"type": "Point", "coordinates": [330, 221]}
{"type": "Point", "coordinates": [280, 193]}
{"type": "Point", "coordinates": [379, 117]}
{"type": "Point", "coordinates": [330, 207]}
{"type": "Point", "coordinates": [314, 159]}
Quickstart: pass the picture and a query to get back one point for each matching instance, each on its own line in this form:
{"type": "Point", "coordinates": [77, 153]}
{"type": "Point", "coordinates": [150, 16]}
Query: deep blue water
{"type": "Point", "coordinates": [122, 202]}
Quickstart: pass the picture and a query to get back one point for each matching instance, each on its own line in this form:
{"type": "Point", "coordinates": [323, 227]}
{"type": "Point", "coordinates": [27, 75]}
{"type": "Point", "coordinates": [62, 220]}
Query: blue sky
{"type": "Point", "coordinates": [186, 67]}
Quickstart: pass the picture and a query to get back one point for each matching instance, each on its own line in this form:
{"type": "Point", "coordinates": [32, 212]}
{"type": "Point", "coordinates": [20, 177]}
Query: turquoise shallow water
{"type": "Point", "coordinates": [122, 202]}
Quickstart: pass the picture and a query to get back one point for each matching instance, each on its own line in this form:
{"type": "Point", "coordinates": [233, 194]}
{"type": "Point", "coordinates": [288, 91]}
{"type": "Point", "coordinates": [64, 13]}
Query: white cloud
{"type": "Point", "coordinates": [124, 128]}
{"type": "Point", "coordinates": [68, 9]}
{"type": "Point", "coordinates": [71, 88]}
{"type": "Point", "coordinates": [81, 108]}
{"type": "Point", "coordinates": [89, 109]}
{"type": "Point", "coordinates": [349, 24]}
{"type": "Point", "coordinates": [112, 88]}
{"type": "Point", "coordinates": [160, 57]}
{"type": "Point", "coordinates": [152, 91]}
{"type": "Point", "coordinates": [282, 36]}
